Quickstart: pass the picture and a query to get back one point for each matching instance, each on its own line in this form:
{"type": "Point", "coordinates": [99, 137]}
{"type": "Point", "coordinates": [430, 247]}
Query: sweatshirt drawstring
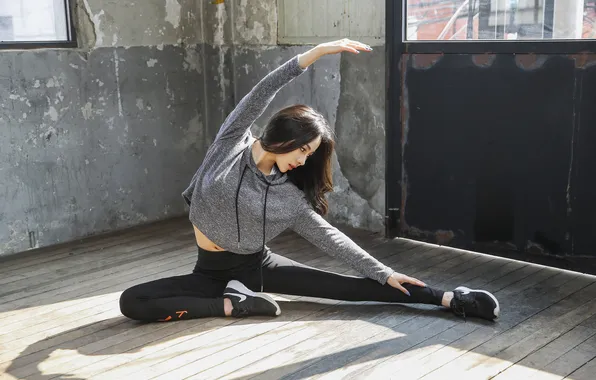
{"type": "Point", "coordinates": [238, 192]}
{"type": "Point", "coordinates": [264, 222]}
{"type": "Point", "coordinates": [264, 225]}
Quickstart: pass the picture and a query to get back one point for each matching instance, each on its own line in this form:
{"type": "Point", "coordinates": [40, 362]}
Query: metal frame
{"type": "Point", "coordinates": [71, 41]}
{"type": "Point", "coordinates": [395, 47]}
{"type": "Point", "coordinates": [393, 114]}
{"type": "Point", "coordinates": [562, 46]}
{"type": "Point", "coordinates": [512, 47]}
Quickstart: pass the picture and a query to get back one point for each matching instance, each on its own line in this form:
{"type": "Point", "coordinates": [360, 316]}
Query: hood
{"type": "Point", "coordinates": [275, 178]}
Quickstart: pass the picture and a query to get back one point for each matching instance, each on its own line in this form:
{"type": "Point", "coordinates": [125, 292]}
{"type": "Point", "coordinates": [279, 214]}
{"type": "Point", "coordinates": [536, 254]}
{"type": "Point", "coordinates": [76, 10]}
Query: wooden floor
{"type": "Point", "coordinates": [59, 318]}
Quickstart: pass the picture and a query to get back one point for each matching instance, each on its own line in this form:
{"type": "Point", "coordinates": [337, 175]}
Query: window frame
{"type": "Point", "coordinates": [70, 42]}
{"type": "Point", "coordinates": [545, 46]}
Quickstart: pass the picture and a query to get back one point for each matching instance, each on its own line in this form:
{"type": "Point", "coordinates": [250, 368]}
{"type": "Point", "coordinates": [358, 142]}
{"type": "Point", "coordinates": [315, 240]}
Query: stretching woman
{"type": "Point", "coordinates": [246, 192]}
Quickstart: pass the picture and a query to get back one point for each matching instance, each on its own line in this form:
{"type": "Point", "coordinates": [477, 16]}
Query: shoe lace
{"type": "Point", "coordinates": [463, 303]}
{"type": "Point", "coordinates": [241, 311]}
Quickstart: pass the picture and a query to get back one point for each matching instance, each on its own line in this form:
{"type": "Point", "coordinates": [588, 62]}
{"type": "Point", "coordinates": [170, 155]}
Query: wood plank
{"type": "Point", "coordinates": [283, 341]}
{"type": "Point", "coordinates": [382, 250]}
{"type": "Point", "coordinates": [537, 363]}
{"type": "Point", "coordinates": [70, 311]}
{"type": "Point", "coordinates": [143, 257]}
{"type": "Point", "coordinates": [110, 293]}
{"type": "Point", "coordinates": [24, 261]}
{"type": "Point", "coordinates": [378, 364]}
{"type": "Point", "coordinates": [196, 347]}
{"type": "Point", "coordinates": [524, 346]}
{"type": "Point", "coordinates": [39, 275]}
{"type": "Point", "coordinates": [87, 263]}
{"type": "Point", "coordinates": [546, 313]}
{"type": "Point", "coordinates": [408, 358]}
{"type": "Point", "coordinates": [98, 365]}
{"type": "Point", "coordinates": [295, 348]}
{"type": "Point", "coordinates": [585, 372]}
{"type": "Point", "coordinates": [304, 329]}
{"type": "Point", "coordinates": [417, 256]}
{"type": "Point", "coordinates": [151, 357]}
{"type": "Point", "coordinates": [350, 363]}
{"type": "Point", "coordinates": [535, 314]}
{"type": "Point", "coordinates": [110, 274]}
{"type": "Point", "coordinates": [302, 336]}
{"type": "Point", "coordinates": [49, 292]}
{"type": "Point", "coordinates": [337, 353]}
{"type": "Point", "coordinates": [571, 361]}
{"type": "Point", "coordinates": [66, 290]}
{"type": "Point", "coordinates": [307, 356]}
{"type": "Point", "coordinates": [45, 316]}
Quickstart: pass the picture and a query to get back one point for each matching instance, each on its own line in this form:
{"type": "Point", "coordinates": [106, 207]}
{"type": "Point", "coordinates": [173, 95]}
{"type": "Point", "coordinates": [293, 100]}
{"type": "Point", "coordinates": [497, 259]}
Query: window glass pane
{"type": "Point", "coordinates": [33, 20]}
{"type": "Point", "coordinates": [449, 20]}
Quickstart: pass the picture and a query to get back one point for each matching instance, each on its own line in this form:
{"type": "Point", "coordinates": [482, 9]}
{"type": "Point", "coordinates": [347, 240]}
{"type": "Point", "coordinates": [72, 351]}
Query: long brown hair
{"type": "Point", "coordinates": [292, 128]}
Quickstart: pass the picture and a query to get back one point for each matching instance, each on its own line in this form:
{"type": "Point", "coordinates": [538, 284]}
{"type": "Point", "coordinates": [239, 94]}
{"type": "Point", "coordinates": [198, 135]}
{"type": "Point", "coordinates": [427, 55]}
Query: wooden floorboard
{"type": "Point", "coordinates": [59, 317]}
{"type": "Point", "coordinates": [373, 344]}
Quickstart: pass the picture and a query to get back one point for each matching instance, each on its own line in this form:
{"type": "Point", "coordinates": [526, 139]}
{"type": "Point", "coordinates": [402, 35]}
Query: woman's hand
{"type": "Point", "coordinates": [333, 47]}
{"type": "Point", "coordinates": [339, 46]}
{"type": "Point", "coordinates": [396, 279]}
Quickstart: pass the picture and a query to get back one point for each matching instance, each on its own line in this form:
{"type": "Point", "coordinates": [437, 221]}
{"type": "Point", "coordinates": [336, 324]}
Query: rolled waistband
{"type": "Point", "coordinates": [227, 261]}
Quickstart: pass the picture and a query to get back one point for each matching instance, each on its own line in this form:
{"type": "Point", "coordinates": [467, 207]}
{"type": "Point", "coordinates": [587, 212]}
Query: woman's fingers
{"type": "Point", "coordinates": [414, 281]}
{"type": "Point", "coordinates": [358, 45]}
{"type": "Point", "coordinates": [402, 289]}
{"type": "Point", "coordinates": [350, 49]}
{"type": "Point", "coordinates": [343, 45]}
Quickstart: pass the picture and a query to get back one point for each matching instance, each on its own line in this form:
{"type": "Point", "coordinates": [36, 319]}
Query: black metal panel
{"type": "Point", "coordinates": [583, 184]}
{"type": "Point", "coordinates": [37, 45]}
{"type": "Point", "coordinates": [489, 149]}
{"type": "Point", "coordinates": [490, 146]}
{"type": "Point", "coordinates": [520, 46]}
{"type": "Point", "coordinates": [393, 75]}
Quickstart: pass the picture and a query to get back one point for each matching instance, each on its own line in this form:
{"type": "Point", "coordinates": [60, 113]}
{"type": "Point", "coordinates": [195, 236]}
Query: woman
{"type": "Point", "coordinates": [248, 191]}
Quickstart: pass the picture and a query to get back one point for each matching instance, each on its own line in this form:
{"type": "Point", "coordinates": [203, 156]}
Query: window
{"type": "Point", "coordinates": [449, 20]}
{"type": "Point", "coordinates": [36, 22]}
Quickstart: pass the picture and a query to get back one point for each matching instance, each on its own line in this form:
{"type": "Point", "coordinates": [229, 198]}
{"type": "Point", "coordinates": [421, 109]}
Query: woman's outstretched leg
{"type": "Point", "coordinates": [284, 276]}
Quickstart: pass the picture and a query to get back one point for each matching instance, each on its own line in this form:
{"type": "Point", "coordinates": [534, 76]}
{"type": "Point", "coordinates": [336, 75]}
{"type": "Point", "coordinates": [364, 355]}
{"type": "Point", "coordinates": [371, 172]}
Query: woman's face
{"type": "Point", "coordinates": [297, 157]}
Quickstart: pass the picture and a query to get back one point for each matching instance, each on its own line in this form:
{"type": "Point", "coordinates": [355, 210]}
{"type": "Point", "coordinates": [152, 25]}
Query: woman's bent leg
{"type": "Point", "coordinates": [284, 276]}
{"type": "Point", "coordinates": [174, 298]}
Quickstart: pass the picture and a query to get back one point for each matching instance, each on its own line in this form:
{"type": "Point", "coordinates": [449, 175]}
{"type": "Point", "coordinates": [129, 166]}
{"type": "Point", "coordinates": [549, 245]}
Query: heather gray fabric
{"type": "Point", "coordinates": [214, 191]}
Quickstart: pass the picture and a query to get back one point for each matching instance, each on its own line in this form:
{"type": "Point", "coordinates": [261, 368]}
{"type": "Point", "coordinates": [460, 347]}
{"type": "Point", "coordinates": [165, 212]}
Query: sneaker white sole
{"type": "Point", "coordinates": [467, 290]}
{"type": "Point", "coordinates": [241, 288]}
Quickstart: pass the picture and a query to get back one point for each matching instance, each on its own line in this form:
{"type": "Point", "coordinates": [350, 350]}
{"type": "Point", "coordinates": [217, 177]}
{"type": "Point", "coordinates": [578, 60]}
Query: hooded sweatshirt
{"type": "Point", "coordinates": [240, 209]}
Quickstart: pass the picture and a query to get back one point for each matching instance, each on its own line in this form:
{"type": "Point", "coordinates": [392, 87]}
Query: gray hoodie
{"type": "Point", "coordinates": [240, 209]}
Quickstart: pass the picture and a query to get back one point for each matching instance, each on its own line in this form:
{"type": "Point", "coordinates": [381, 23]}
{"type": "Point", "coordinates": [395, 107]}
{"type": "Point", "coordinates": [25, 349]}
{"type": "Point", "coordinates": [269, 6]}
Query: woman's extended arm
{"type": "Point", "coordinates": [256, 101]}
{"type": "Point", "coordinates": [330, 240]}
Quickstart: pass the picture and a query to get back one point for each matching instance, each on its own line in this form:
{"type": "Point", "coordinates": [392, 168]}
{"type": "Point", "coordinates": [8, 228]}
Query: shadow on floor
{"type": "Point", "coordinates": [117, 336]}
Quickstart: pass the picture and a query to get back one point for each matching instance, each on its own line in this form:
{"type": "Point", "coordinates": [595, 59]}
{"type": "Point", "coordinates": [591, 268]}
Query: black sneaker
{"type": "Point", "coordinates": [474, 303]}
{"type": "Point", "coordinates": [245, 302]}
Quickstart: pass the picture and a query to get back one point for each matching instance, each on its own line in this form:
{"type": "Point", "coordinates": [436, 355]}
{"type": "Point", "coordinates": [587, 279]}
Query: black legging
{"type": "Point", "coordinates": [199, 294]}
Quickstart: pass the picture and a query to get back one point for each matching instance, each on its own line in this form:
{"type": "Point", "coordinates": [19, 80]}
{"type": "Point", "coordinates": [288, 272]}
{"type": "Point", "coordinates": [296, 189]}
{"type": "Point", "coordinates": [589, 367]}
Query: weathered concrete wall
{"type": "Point", "coordinates": [348, 89]}
{"type": "Point", "coordinates": [105, 23]}
{"type": "Point", "coordinates": [105, 136]}
{"type": "Point", "coordinates": [108, 135]}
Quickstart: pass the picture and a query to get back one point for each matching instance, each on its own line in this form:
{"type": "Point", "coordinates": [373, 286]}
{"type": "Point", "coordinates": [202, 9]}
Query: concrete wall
{"type": "Point", "coordinates": [316, 21]}
{"type": "Point", "coordinates": [105, 136]}
{"type": "Point", "coordinates": [108, 135]}
{"type": "Point", "coordinates": [348, 89]}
